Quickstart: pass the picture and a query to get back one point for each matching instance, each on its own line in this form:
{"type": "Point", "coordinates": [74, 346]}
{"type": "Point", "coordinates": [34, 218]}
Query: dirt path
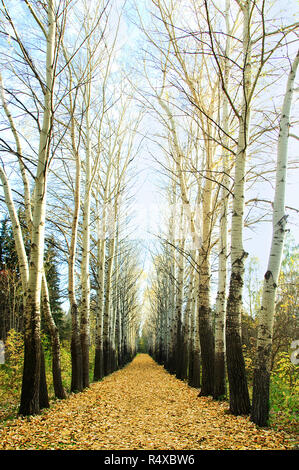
{"type": "Point", "coordinates": [138, 407]}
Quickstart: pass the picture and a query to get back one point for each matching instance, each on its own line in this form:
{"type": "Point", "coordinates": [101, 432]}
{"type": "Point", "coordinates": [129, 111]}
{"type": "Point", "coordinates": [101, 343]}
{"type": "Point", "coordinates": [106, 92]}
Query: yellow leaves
{"type": "Point", "coordinates": [138, 407]}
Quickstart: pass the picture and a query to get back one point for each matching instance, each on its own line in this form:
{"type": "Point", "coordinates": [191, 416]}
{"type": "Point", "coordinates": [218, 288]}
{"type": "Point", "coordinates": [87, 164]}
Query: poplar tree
{"type": "Point", "coordinates": [261, 381]}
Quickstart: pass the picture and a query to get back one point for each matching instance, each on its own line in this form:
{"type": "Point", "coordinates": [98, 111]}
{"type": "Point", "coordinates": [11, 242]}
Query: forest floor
{"type": "Point", "coordinates": [139, 407]}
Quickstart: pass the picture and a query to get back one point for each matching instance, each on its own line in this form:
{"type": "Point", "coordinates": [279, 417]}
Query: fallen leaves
{"type": "Point", "coordinates": [139, 407]}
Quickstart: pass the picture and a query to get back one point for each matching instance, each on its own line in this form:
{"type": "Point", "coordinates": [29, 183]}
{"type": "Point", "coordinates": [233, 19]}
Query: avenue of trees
{"type": "Point", "coordinates": [209, 95]}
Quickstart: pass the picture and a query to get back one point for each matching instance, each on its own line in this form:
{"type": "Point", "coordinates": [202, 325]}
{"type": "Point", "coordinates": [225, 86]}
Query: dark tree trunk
{"type": "Point", "coordinates": [76, 353]}
{"type": "Point", "coordinates": [260, 398]}
{"type": "Point", "coordinates": [76, 382]}
{"type": "Point", "coordinates": [196, 383]}
{"type": "Point", "coordinates": [207, 351]}
{"type": "Point", "coordinates": [85, 359]}
{"type": "Point", "coordinates": [178, 348]}
{"type": "Point", "coordinates": [113, 360]}
{"type": "Point", "coordinates": [106, 357]}
{"type": "Point", "coordinates": [190, 364]}
{"type": "Point", "coordinates": [55, 342]}
{"type": "Point", "coordinates": [98, 373]}
{"type": "Point", "coordinates": [184, 361]}
{"type": "Point", "coordinates": [219, 382]}
{"type": "Point", "coordinates": [29, 402]}
{"type": "Point", "coordinates": [238, 389]}
{"type": "Point", "coordinates": [43, 389]}
{"type": "Point", "coordinates": [56, 367]}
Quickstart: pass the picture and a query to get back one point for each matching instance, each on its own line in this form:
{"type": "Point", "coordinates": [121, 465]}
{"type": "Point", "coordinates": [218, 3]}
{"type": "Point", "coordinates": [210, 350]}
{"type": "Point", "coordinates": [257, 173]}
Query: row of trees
{"type": "Point", "coordinates": [68, 139]}
{"type": "Point", "coordinates": [213, 63]}
{"type": "Point", "coordinates": [71, 127]}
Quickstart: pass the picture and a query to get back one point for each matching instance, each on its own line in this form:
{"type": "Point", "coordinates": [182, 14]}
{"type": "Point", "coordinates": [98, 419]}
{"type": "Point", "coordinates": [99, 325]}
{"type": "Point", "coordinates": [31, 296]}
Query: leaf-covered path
{"type": "Point", "coordinates": [138, 407]}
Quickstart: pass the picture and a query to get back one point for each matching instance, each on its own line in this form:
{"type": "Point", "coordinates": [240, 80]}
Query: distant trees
{"type": "Point", "coordinates": [11, 303]}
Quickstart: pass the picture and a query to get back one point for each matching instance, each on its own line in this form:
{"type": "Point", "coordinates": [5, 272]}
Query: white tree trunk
{"type": "Point", "coordinates": [76, 352]}
{"type": "Point", "coordinates": [17, 232]}
{"type": "Point", "coordinates": [85, 275]}
{"type": "Point", "coordinates": [239, 397]}
{"type": "Point", "coordinates": [220, 315]}
{"type": "Point", "coordinates": [21, 253]}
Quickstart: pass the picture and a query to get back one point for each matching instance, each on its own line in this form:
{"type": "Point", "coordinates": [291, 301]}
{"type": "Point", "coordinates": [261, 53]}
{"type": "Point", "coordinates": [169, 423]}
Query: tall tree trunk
{"type": "Point", "coordinates": [85, 275]}
{"type": "Point", "coordinates": [238, 389]}
{"type": "Point", "coordinates": [107, 308]}
{"type": "Point", "coordinates": [179, 302]}
{"type": "Point", "coordinates": [261, 381]}
{"type": "Point", "coordinates": [220, 316]}
{"type": "Point", "coordinates": [43, 389]}
{"type": "Point", "coordinates": [192, 371]}
{"type": "Point", "coordinates": [32, 351]}
{"type": "Point", "coordinates": [23, 262]}
{"type": "Point", "coordinates": [101, 263]}
{"type": "Point", "coordinates": [206, 334]}
{"type": "Point", "coordinates": [76, 351]}
{"type": "Point", "coordinates": [98, 364]}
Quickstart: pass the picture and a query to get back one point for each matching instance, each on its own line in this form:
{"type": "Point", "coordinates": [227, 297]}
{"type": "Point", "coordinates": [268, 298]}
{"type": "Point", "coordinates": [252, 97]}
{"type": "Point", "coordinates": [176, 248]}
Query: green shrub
{"type": "Point", "coordinates": [11, 371]}
{"type": "Point", "coordinates": [284, 401]}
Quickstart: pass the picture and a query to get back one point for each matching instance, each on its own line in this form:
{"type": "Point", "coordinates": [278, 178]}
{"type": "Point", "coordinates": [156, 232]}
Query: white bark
{"type": "Point", "coordinates": [40, 189]}
{"type": "Point", "coordinates": [260, 403]}
{"type": "Point", "coordinates": [239, 396]}
{"type": "Point", "coordinates": [32, 359]}
{"type": "Point", "coordinates": [17, 232]}
{"type": "Point", "coordinates": [220, 315]}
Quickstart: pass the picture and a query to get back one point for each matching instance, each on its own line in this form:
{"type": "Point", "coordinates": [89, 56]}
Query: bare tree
{"type": "Point", "coordinates": [261, 384]}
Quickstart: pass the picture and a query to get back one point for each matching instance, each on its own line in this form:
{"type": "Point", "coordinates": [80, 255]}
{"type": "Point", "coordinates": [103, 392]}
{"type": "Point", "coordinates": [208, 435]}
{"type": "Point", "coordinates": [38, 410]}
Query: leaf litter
{"type": "Point", "coordinates": [140, 407]}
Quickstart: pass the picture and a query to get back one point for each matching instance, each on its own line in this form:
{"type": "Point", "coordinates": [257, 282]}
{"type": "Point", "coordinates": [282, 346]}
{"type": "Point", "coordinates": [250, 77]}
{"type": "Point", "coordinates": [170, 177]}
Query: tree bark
{"type": "Point", "coordinates": [220, 316]}
{"type": "Point", "coordinates": [238, 389]}
{"type": "Point", "coordinates": [55, 342]}
{"type": "Point", "coordinates": [76, 351]}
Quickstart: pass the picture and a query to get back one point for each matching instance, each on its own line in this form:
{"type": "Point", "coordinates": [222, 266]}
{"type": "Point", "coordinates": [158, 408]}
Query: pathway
{"type": "Point", "coordinates": [139, 407]}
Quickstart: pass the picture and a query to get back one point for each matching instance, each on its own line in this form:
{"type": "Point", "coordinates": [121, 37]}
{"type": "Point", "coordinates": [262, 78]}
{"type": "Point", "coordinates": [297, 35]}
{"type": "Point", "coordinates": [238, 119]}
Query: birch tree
{"type": "Point", "coordinates": [76, 352]}
{"type": "Point", "coordinates": [22, 256]}
{"type": "Point", "coordinates": [220, 315]}
{"type": "Point", "coordinates": [32, 360]}
{"type": "Point", "coordinates": [261, 383]}
{"type": "Point", "coordinates": [241, 107]}
{"type": "Point", "coordinates": [32, 394]}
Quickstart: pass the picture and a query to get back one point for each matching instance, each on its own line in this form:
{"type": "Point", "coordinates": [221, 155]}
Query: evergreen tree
{"type": "Point", "coordinates": [11, 300]}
